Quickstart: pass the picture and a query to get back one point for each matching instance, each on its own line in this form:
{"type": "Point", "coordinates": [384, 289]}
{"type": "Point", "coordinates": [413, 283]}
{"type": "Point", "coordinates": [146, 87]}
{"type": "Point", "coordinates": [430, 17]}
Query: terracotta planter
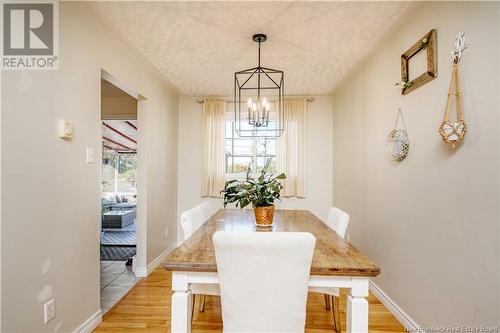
{"type": "Point", "coordinates": [264, 216]}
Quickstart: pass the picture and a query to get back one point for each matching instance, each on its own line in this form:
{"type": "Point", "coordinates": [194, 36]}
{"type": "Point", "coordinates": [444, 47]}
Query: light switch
{"type": "Point", "coordinates": [90, 155]}
{"type": "Point", "coordinates": [65, 129]}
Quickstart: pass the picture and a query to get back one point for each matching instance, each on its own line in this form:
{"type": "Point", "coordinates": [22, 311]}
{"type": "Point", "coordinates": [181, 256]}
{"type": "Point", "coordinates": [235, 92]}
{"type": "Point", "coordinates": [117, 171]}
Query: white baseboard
{"type": "Point", "coordinates": [140, 271]}
{"type": "Point", "coordinates": [401, 316]}
{"type": "Point", "coordinates": [145, 271]}
{"type": "Point", "coordinates": [158, 260]}
{"type": "Point", "coordinates": [90, 324]}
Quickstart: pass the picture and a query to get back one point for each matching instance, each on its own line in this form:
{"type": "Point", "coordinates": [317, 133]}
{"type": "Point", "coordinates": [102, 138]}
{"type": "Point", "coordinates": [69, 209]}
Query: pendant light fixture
{"type": "Point", "coordinates": [259, 99]}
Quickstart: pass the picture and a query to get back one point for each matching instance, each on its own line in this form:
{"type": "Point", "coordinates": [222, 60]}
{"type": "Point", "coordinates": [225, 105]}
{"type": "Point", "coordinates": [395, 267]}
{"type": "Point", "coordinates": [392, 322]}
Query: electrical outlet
{"type": "Point", "coordinates": [49, 310]}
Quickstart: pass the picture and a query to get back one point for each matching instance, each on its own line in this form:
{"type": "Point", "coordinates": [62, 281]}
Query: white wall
{"type": "Point", "coordinates": [498, 137]}
{"type": "Point", "coordinates": [119, 108]}
{"type": "Point", "coordinates": [51, 196]}
{"type": "Point", "coordinates": [318, 168]}
{"type": "Point", "coordinates": [431, 222]}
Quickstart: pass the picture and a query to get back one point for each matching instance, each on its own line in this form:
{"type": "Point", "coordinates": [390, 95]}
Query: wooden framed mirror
{"type": "Point", "coordinates": [427, 43]}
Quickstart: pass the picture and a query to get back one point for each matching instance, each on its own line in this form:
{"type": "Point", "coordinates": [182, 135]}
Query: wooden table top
{"type": "Point", "coordinates": [332, 254]}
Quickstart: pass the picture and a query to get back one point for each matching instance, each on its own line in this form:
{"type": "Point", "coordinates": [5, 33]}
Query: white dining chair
{"type": "Point", "coordinates": [270, 272]}
{"type": "Point", "coordinates": [207, 209]}
{"type": "Point", "coordinates": [191, 220]}
{"type": "Point", "coordinates": [338, 221]}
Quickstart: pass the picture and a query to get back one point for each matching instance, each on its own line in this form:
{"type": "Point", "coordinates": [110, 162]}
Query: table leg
{"type": "Point", "coordinates": [357, 307]}
{"type": "Point", "coordinates": [181, 304]}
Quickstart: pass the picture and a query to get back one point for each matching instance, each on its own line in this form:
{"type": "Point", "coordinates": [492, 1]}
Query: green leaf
{"type": "Point", "coordinates": [261, 192]}
{"type": "Point", "coordinates": [266, 167]}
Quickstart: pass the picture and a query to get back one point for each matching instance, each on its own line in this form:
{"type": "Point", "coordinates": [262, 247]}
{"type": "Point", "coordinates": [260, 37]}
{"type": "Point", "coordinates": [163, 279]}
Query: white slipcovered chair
{"type": "Point", "coordinates": [338, 221]}
{"type": "Point", "coordinates": [191, 220]}
{"type": "Point", "coordinates": [207, 209]}
{"type": "Point", "coordinates": [270, 273]}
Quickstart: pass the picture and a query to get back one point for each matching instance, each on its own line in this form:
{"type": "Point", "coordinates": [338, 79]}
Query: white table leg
{"type": "Point", "coordinates": [357, 307]}
{"type": "Point", "coordinates": [181, 303]}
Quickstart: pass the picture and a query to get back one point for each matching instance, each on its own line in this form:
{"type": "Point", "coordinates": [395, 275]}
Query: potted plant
{"type": "Point", "coordinates": [260, 192]}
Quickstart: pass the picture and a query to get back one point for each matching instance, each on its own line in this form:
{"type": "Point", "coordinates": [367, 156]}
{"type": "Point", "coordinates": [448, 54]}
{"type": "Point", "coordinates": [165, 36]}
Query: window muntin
{"type": "Point", "coordinates": [241, 152]}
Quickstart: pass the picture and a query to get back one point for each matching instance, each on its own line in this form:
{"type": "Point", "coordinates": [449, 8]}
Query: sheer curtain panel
{"type": "Point", "coordinates": [213, 133]}
{"type": "Point", "coordinates": [292, 148]}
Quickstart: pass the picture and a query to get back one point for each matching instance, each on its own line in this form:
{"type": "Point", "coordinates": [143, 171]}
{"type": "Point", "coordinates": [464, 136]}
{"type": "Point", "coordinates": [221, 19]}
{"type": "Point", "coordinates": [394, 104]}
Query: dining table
{"type": "Point", "coordinates": [335, 263]}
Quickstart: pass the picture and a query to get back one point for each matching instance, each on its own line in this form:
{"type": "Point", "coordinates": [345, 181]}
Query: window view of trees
{"type": "Point", "coordinates": [119, 171]}
{"type": "Point", "coordinates": [127, 169]}
{"type": "Point", "coordinates": [244, 152]}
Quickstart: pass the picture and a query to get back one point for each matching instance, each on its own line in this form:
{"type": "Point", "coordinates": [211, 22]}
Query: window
{"type": "Point", "coordinates": [127, 172]}
{"type": "Point", "coordinates": [119, 172]}
{"type": "Point", "coordinates": [242, 152]}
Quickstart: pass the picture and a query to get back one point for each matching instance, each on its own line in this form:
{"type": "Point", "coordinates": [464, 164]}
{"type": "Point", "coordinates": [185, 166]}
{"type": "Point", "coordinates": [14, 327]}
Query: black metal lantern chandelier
{"type": "Point", "coordinates": [259, 95]}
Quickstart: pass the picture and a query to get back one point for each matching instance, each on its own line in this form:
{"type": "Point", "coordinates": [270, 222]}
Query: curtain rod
{"type": "Point", "coordinates": [309, 99]}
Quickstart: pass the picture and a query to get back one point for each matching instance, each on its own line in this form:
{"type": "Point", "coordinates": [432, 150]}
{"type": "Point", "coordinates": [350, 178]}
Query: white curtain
{"type": "Point", "coordinates": [291, 154]}
{"type": "Point", "coordinates": [213, 133]}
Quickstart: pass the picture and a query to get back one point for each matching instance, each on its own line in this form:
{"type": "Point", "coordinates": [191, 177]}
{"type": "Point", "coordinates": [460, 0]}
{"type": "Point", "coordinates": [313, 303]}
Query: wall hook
{"type": "Point", "coordinates": [460, 46]}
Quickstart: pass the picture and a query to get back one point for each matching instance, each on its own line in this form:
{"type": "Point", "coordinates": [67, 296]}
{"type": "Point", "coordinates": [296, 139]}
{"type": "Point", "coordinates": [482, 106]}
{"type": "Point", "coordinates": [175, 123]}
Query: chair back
{"type": "Point", "coordinates": [191, 220]}
{"type": "Point", "coordinates": [263, 278]}
{"type": "Point", "coordinates": [207, 209]}
{"type": "Point", "coordinates": [338, 220]}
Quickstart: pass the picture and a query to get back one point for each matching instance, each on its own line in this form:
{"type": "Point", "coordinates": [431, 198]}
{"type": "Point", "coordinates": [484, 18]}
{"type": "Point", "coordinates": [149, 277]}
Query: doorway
{"type": "Point", "coordinates": [118, 223]}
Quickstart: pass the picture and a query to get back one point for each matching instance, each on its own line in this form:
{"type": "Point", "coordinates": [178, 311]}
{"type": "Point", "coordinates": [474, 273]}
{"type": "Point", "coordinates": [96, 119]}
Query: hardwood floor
{"type": "Point", "coordinates": [146, 308]}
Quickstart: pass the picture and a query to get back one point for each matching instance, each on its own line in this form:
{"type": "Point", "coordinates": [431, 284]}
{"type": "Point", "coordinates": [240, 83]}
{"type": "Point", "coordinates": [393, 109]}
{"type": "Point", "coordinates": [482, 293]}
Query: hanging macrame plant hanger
{"type": "Point", "coordinates": [454, 132]}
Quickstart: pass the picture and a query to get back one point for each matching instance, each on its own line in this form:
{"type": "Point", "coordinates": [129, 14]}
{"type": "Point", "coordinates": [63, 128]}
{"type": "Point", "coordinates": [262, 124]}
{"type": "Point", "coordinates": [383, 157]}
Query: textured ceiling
{"type": "Point", "coordinates": [199, 45]}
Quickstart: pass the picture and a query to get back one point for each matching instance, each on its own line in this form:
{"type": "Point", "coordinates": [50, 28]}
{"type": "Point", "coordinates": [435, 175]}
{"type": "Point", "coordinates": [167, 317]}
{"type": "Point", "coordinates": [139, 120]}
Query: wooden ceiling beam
{"type": "Point", "coordinates": [119, 133]}
{"type": "Point", "coordinates": [117, 143]}
{"type": "Point", "coordinates": [130, 124]}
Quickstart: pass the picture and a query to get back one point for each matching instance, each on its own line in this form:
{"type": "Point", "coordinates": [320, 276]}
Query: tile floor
{"type": "Point", "coordinates": [116, 280]}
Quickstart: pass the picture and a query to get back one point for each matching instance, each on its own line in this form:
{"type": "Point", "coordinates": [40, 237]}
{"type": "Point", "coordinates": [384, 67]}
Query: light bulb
{"type": "Point", "coordinates": [249, 102]}
{"type": "Point", "coordinates": [264, 101]}
{"type": "Point", "coordinates": [268, 106]}
{"type": "Point", "coordinates": [254, 106]}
